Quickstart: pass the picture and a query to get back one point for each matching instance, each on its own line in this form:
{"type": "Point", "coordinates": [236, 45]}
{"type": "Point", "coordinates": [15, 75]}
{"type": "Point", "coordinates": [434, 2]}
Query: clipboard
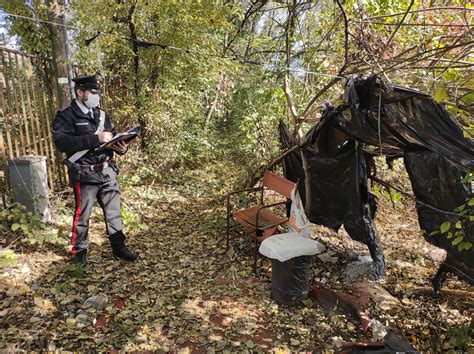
{"type": "Point", "coordinates": [126, 136]}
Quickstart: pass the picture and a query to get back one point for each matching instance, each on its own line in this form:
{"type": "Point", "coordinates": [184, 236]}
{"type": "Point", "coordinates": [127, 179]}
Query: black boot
{"type": "Point", "coordinates": [117, 240]}
{"type": "Point", "coordinates": [81, 257]}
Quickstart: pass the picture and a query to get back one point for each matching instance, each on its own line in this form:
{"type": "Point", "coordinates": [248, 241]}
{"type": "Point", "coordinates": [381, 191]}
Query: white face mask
{"type": "Point", "coordinates": [92, 100]}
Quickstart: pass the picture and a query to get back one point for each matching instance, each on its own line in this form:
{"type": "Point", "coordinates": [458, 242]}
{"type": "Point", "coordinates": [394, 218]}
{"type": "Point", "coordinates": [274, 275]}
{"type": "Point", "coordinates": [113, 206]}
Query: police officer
{"type": "Point", "coordinates": [77, 131]}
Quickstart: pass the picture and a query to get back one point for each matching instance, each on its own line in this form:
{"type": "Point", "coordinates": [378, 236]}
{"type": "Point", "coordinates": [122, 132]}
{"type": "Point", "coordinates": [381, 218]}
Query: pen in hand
{"type": "Point", "coordinates": [104, 136]}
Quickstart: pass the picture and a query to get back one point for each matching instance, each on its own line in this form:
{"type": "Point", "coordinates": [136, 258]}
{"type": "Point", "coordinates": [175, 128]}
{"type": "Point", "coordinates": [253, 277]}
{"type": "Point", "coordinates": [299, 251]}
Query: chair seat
{"type": "Point", "coordinates": [268, 221]}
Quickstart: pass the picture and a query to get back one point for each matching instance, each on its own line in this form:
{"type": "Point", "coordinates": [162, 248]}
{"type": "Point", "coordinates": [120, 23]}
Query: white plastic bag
{"type": "Point", "coordinates": [298, 222]}
{"type": "Point", "coordinates": [290, 245]}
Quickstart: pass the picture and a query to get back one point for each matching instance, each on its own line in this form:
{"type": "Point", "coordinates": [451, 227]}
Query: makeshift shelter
{"type": "Point", "coordinates": [397, 122]}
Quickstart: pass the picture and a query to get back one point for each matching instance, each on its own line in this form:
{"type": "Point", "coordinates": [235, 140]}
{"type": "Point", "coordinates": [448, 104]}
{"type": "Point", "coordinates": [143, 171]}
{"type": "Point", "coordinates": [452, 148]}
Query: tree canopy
{"type": "Point", "coordinates": [199, 72]}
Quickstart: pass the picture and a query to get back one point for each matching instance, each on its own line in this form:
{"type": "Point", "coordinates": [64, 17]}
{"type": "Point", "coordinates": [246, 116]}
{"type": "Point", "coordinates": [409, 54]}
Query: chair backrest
{"type": "Point", "coordinates": [278, 184]}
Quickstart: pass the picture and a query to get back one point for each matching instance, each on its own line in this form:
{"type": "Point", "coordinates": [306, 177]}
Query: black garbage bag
{"type": "Point", "coordinates": [339, 184]}
{"type": "Point", "coordinates": [437, 183]}
{"type": "Point", "coordinates": [409, 120]}
{"type": "Point", "coordinates": [406, 122]}
{"type": "Point", "coordinates": [290, 280]}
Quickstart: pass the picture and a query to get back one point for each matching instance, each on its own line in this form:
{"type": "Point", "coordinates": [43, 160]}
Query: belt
{"type": "Point", "coordinates": [99, 167]}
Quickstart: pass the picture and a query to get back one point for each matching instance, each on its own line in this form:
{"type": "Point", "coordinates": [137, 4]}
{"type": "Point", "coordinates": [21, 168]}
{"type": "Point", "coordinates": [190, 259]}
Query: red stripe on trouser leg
{"type": "Point", "coordinates": [76, 218]}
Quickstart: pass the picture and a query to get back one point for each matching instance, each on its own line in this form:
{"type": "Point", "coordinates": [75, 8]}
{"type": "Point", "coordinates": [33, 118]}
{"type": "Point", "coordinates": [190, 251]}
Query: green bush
{"type": "Point", "coordinates": [17, 223]}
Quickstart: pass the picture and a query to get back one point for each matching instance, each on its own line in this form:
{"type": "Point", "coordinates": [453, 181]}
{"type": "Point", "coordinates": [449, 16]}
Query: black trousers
{"type": "Point", "coordinates": [85, 193]}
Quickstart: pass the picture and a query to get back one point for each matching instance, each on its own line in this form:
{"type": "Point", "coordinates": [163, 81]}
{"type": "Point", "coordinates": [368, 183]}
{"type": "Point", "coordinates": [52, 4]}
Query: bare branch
{"type": "Point", "coordinates": [424, 10]}
{"type": "Point", "coordinates": [254, 8]}
{"type": "Point", "coordinates": [326, 36]}
{"type": "Point", "coordinates": [280, 158]}
{"type": "Point", "coordinates": [341, 71]}
{"type": "Point", "coordinates": [416, 58]}
{"type": "Point", "coordinates": [268, 51]}
{"type": "Point", "coordinates": [321, 92]}
{"type": "Point", "coordinates": [462, 55]}
{"type": "Point", "coordinates": [289, 99]}
{"type": "Point", "coordinates": [397, 28]}
{"type": "Point", "coordinates": [452, 45]}
{"type": "Point", "coordinates": [440, 67]}
{"type": "Point", "coordinates": [460, 106]}
{"type": "Point", "coordinates": [408, 195]}
{"type": "Point", "coordinates": [214, 102]}
{"type": "Point", "coordinates": [414, 24]}
{"type": "Point", "coordinates": [346, 33]}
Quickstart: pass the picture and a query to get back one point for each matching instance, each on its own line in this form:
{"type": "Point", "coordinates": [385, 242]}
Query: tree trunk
{"type": "Point", "coordinates": [55, 12]}
{"type": "Point", "coordinates": [136, 63]}
{"type": "Point", "coordinates": [291, 107]}
{"type": "Point", "coordinates": [214, 102]}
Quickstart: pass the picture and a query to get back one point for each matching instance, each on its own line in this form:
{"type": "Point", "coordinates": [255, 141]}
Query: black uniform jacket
{"type": "Point", "coordinates": [74, 131]}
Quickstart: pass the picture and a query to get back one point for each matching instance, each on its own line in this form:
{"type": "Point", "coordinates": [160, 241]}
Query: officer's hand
{"type": "Point", "coordinates": [121, 147]}
{"type": "Point", "coordinates": [104, 137]}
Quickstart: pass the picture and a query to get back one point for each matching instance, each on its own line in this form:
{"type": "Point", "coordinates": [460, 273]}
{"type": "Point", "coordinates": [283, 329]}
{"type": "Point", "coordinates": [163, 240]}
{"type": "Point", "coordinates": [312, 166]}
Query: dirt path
{"type": "Point", "coordinates": [184, 294]}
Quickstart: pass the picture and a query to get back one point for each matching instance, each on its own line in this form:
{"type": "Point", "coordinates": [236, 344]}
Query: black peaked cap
{"type": "Point", "coordinates": [86, 82]}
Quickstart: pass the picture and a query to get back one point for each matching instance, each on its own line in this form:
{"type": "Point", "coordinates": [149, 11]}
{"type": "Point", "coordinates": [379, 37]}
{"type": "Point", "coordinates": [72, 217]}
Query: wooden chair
{"type": "Point", "coordinates": [260, 221]}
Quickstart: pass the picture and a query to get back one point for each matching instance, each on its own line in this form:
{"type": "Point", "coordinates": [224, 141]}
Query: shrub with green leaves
{"type": "Point", "coordinates": [17, 222]}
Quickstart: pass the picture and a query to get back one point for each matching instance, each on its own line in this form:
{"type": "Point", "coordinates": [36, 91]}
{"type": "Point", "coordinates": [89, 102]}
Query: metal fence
{"type": "Point", "coordinates": [27, 107]}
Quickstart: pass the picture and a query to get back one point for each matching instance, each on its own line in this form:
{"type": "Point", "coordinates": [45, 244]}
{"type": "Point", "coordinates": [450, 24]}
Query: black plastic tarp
{"type": "Point", "coordinates": [409, 120]}
{"type": "Point", "coordinates": [396, 122]}
{"type": "Point", "coordinates": [339, 185]}
{"type": "Point", "coordinates": [437, 183]}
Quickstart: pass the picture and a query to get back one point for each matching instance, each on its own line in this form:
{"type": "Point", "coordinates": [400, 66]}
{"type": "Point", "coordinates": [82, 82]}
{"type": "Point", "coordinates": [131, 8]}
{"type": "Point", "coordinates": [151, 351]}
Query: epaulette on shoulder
{"type": "Point", "coordinates": [63, 109]}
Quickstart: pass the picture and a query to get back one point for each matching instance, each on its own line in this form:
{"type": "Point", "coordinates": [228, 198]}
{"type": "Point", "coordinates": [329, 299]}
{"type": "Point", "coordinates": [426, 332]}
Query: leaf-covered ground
{"type": "Point", "coordinates": [185, 294]}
